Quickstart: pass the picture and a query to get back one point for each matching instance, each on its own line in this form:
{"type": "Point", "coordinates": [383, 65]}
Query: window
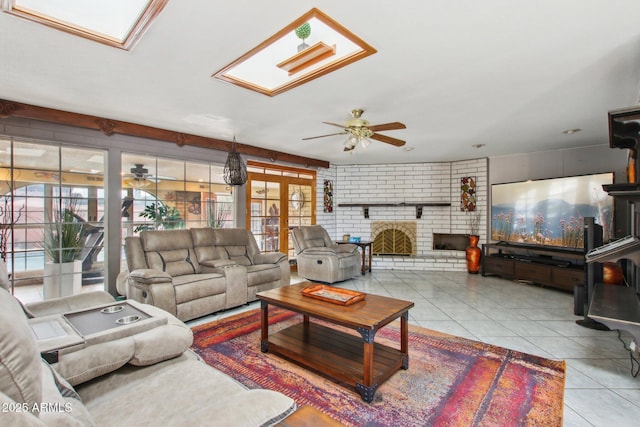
{"type": "Point", "coordinates": [118, 23]}
{"type": "Point", "coordinates": [39, 180]}
{"type": "Point", "coordinates": [163, 194]}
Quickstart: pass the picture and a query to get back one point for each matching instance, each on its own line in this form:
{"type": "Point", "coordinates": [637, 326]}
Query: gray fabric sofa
{"type": "Point", "coordinates": [178, 391]}
{"type": "Point", "coordinates": [192, 273]}
{"type": "Point", "coordinates": [320, 259]}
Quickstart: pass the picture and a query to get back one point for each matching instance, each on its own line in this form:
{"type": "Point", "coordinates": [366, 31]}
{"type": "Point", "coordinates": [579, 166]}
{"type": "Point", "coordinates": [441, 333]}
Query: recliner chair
{"type": "Point", "coordinates": [322, 260]}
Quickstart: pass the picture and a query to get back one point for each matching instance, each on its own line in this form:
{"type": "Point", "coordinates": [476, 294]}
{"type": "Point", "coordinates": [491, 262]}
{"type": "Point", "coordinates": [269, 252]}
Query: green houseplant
{"type": "Point", "coordinates": [63, 241]}
{"type": "Point", "coordinates": [64, 236]}
{"type": "Point", "coordinates": [164, 217]}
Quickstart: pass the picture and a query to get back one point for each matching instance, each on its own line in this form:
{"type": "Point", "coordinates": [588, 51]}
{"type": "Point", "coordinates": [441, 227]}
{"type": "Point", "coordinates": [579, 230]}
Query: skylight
{"type": "Point", "coordinates": [280, 63]}
{"type": "Point", "coordinates": [118, 23]}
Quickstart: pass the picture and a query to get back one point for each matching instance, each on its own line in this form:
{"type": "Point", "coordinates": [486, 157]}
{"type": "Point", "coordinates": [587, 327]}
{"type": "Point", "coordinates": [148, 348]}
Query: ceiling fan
{"type": "Point", "coordinates": [140, 177]}
{"type": "Point", "coordinates": [360, 131]}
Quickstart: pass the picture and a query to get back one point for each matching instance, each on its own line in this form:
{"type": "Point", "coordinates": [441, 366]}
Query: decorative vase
{"type": "Point", "coordinates": [473, 253]}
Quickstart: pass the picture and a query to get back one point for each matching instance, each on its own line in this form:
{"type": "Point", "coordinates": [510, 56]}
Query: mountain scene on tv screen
{"type": "Point", "coordinates": [553, 222]}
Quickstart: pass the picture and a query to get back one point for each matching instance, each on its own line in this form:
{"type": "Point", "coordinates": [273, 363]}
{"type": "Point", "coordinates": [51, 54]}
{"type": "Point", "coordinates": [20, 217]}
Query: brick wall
{"type": "Point", "coordinates": [408, 183]}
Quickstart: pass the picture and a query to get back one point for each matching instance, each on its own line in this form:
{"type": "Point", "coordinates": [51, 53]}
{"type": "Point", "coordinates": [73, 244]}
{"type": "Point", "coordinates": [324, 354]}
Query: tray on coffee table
{"type": "Point", "coordinates": [333, 294]}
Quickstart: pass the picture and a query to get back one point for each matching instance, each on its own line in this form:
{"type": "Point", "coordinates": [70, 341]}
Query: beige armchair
{"type": "Point", "coordinates": [322, 260]}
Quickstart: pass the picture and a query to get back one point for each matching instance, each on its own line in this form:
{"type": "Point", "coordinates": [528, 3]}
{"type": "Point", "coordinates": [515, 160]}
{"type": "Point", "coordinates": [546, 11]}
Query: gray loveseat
{"type": "Point", "coordinates": [192, 273]}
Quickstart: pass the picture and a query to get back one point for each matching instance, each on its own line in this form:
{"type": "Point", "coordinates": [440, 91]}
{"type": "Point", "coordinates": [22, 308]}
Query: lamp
{"type": "Point", "coordinates": [235, 171]}
{"type": "Point", "coordinates": [359, 134]}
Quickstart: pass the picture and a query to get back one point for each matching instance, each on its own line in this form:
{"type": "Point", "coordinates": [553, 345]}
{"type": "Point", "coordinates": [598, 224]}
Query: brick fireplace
{"type": "Point", "coordinates": [392, 190]}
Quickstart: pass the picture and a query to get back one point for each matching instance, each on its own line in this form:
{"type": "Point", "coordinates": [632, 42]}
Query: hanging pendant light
{"type": "Point", "coordinates": [235, 171]}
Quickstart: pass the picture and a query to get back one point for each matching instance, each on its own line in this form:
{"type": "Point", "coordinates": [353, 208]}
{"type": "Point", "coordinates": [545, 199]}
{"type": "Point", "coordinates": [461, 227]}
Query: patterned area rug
{"type": "Point", "coordinates": [451, 381]}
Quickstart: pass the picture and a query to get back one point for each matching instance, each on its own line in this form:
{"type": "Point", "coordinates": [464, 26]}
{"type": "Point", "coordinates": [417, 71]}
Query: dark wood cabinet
{"type": "Point", "coordinates": [555, 267]}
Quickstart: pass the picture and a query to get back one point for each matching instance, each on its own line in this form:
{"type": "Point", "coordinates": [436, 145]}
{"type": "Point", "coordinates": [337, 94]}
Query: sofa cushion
{"type": "Point", "coordinates": [205, 236]}
{"type": "Point", "coordinates": [210, 253]}
{"type": "Point", "coordinates": [237, 242]}
{"type": "Point", "coordinates": [238, 254]}
{"type": "Point", "coordinates": [177, 262]}
{"type": "Point", "coordinates": [195, 286]}
{"type": "Point", "coordinates": [20, 370]}
{"type": "Point", "coordinates": [170, 251]}
{"type": "Point", "coordinates": [185, 393]}
{"type": "Point", "coordinates": [311, 236]}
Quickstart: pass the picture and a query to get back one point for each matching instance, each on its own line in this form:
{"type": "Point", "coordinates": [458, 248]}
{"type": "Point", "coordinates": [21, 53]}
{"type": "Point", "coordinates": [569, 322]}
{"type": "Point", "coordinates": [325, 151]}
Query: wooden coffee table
{"type": "Point", "coordinates": [345, 357]}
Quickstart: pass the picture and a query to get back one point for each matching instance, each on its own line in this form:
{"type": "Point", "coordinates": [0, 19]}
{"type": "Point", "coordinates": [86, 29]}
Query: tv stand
{"type": "Point", "coordinates": [555, 267]}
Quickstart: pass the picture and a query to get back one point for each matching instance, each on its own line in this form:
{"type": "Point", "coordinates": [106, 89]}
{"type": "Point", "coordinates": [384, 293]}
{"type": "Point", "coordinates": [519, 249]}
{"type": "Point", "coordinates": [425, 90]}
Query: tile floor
{"type": "Point", "coordinates": [599, 390]}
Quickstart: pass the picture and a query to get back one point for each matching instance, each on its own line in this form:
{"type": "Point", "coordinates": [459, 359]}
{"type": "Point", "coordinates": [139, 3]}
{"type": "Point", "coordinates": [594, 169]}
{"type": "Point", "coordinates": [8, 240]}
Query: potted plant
{"type": "Point", "coordinates": [63, 240]}
{"type": "Point", "coordinates": [164, 217]}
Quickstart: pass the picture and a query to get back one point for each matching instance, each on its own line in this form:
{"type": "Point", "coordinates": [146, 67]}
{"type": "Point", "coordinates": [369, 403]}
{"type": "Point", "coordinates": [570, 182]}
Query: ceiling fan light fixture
{"type": "Point", "coordinates": [350, 143]}
{"type": "Point", "coordinates": [137, 182]}
{"type": "Point", "coordinates": [359, 131]}
{"type": "Point", "coordinates": [139, 177]}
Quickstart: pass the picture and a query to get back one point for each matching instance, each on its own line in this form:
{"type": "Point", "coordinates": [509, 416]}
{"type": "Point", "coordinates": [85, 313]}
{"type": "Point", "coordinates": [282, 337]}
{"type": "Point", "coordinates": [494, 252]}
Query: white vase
{"type": "Point", "coordinates": [62, 279]}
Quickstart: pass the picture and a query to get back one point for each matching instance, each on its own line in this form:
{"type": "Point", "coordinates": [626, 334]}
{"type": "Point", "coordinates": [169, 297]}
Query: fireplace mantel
{"type": "Point", "coordinates": [419, 205]}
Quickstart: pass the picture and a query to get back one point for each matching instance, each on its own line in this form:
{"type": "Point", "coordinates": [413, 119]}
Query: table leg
{"type": "Point", "coordinates": [370, 256]}
{"type": "Point", "coordinates": [364, 266]}
{"type": "Point", "coordinates": [368, 388]}
{"type": "Point", "coordinates": [404, 339]}
{"type": "Point", "coordinates": [264, 326]}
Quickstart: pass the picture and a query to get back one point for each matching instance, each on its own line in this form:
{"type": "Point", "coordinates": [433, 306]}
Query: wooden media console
{"type": "Point", "coordinates": [555, 267]}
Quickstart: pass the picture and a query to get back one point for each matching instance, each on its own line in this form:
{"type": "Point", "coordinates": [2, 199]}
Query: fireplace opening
{"type": "Point", "coordinates": [450, 242]}
{"type": "Point", "coordinates": [394, 238]}
{"type": "Point", "coordinates": [392, 242]}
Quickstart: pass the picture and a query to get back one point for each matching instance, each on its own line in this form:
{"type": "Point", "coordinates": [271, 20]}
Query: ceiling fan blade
{"type": "Point", "coordinates": [387, 126]}
{"type": "Point", "coordinates": [334, 124]}
{"type": "Point", "coordinates": [388, 139]}
{"type": "Point", "coordinates": [322, 136]}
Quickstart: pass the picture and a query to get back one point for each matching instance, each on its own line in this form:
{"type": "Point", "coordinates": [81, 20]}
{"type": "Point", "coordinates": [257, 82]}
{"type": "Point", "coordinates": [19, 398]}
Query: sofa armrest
{"type": "Point", "coordinates": [148, 276]}
{"type": "Point", "coordinates": [68, 304]}
{"type": "Point", "coordinates": [346, 248]}
{"type": "Point", "coordinates": [319, 250]}
{"type": "Point", "coordinates": [269, 258]}
{"type": "Point", "coordinates": [217, 263]}
{"type": "Point", "coordinates": [153, 287]}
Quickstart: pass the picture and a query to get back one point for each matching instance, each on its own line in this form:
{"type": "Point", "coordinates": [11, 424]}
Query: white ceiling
{"type": "Point", "coordinates": [509, 74]}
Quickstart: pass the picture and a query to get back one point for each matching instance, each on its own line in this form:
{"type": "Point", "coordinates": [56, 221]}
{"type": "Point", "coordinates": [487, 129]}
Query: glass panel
{"type": "Point", "coordinates": [217, 176]}
{"type": "Point", "coordinates": [52, 213]}
{"type": "Point", "coordinates": [300, 198]}
{"type": "Point", "coordinates": [198, 172]}
{"type": "Point", "coordinates": [175, 194]}
{"type": "Point", "coordinates": [256, 169]}
{"type": "Point", "coordinates": [265, 214]}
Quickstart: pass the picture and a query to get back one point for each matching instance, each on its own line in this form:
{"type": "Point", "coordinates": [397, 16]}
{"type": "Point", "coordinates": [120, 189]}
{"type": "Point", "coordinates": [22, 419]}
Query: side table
{"type": "Point", "coordinates": [364, 246]}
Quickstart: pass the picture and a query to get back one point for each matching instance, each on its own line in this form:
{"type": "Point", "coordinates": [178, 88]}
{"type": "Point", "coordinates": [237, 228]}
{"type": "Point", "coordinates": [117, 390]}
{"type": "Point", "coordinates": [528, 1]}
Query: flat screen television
{"type": "Point", "coordinates": [551, 212]}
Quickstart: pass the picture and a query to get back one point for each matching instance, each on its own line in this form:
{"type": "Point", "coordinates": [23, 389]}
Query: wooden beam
{"type": "Point", "coordinates": [109, 127]}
